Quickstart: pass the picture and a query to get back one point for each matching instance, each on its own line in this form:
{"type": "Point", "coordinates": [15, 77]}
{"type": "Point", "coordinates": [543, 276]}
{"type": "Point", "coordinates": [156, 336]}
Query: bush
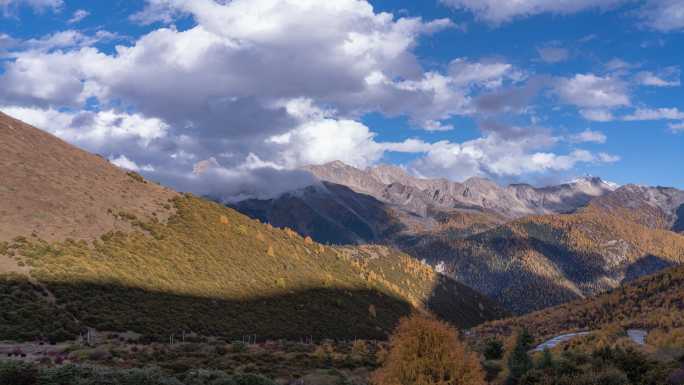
{"type": "Point", "coordinates": [17, 373]}
{"type": "Point", "coordinates": [239, 347]}
{"type": "Point", "coordinates": [425, 351]}
{"type": "Point", "coordinates": [207, 377]}
{"type": "Point", "coordinates": [493, 349]}
{"type": "Point", "coordinates": [251, 379]}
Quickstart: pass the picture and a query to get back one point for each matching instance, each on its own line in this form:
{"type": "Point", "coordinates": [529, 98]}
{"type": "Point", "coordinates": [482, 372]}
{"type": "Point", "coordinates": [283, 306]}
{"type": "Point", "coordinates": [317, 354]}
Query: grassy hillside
{"type": "Point", "coordinates": [541, 261]}
{"type": "Point", "coordinates": [54, 190]}
{"type": "Point", "coordinates": [213, 271]}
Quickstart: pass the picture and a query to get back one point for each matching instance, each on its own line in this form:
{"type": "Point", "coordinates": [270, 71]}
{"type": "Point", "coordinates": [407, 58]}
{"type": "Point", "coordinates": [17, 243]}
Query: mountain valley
{"type": "Point", "coordinates": [526, 247]}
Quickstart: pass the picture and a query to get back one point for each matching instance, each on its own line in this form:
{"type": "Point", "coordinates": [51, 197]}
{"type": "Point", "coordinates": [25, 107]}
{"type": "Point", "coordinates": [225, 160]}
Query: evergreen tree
{"type": "Point", "coordinates": [519, 362]}
{"type": "Point", "coordinates": [493, 349]}
{"type": "Point", "coordinates": [546, 361]}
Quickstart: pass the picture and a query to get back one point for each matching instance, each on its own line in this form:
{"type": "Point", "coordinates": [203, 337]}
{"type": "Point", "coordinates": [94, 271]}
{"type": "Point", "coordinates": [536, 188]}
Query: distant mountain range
{"type": "Point", "coordinates": [525, 246]}
{"type": "Point", "coordinates": [392, 184]}
{"type": "Point", "coordinates": [85, 244]}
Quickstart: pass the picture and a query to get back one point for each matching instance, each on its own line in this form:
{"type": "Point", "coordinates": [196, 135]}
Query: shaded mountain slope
{"type": "Point", "coordinates": [164, 263]}
{"type": "Point", "coordinates": [329, 213]}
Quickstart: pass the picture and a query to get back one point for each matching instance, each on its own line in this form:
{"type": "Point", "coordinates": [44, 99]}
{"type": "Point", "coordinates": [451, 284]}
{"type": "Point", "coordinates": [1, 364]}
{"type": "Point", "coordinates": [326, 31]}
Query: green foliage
{"type": "Point", "coordinates": [238, 347]}
{"type": "Point", "coordinates": [605, 366]}
{"type": "Point", "coordinates": [546, 361]}
{"type": "Point", "coordinates": [207, 377]}
{"type": "Point", "coordinates": [252, 379]}
{"type": "Point", "coordinates": [136, 177]}
{"type": "Point", "coordinates": [519, 361]}
{"type": "Point", "coordinates": [27, 314]}
{"type": "Point", "coordinates": [17, 373]}
{"type": "Point", "coordinates": [493, 349]}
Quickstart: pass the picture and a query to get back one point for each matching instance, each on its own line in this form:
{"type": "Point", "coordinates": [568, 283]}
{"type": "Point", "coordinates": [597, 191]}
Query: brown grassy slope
{"type": "Point", "coordinates": [651, 302]}
{"type": "Point", "coordinates": [55, 190]}
{"type": "Point", "coordinates": [541, 261]}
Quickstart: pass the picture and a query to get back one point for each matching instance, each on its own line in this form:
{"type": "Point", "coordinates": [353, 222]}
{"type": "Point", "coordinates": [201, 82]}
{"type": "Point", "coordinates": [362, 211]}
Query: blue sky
{"type": "Point", "coordinates": [232, 97]}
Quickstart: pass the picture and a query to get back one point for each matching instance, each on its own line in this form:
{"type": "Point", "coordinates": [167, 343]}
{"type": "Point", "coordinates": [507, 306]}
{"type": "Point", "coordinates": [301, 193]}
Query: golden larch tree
{"type": "Point", "coordinates": [425, 351]}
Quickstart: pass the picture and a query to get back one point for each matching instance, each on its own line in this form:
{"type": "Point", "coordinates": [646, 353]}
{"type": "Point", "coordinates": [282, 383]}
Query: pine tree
{"type": "Point", "coordinates": [493, 349]}
{"type": "Point", "coordinates": [519, 362]}
{"type": "Point", "coordinates": [546, 360]}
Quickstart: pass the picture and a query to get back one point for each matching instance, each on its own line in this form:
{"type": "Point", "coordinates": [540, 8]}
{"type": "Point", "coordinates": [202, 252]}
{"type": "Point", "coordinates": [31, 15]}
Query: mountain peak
{"type": "Point", "coordinates": [337, 164]}
{"type": "Point", "coordinates": [595, 181]}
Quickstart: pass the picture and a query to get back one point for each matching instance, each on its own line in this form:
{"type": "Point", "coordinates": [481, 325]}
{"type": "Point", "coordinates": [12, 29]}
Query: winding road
{"type": "Point", "coordinates": [638, 336]}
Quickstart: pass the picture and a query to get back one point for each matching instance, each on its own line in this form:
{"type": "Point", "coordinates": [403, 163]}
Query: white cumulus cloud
{"type": "Point", "coordinates": [498, 11]}
{"type": "Point", "coordinates": [78, 15]}
{"type": "Point", "coordinates": [592, 91]}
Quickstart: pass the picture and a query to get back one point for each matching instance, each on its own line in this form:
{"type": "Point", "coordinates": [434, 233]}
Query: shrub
{"type": "Point", "coordinates": [207, 377]}
{"type": "Point", "coordinates": [676, 377]}
{"type": "Point", "coordinates": [239, 347]}
{"type": "Point", "coordinates": [493, 349]}
{"type": "Point", "coordinates": [99, 355]}
{"type": "Point", "coordinates": [425, 351]}
{"type": "Point", "coordinates": [251, 379]}
{"type": "Point", "coordinates": [360, 348]}
{"type": "Point", "coordinates": [17, 373]}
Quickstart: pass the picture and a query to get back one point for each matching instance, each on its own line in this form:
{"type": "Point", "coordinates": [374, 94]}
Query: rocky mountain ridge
{"type": "Point", "coordinates": [392, 184]}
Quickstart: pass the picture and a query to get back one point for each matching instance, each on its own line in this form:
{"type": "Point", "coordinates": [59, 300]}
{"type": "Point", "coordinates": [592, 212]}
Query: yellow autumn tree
{"type": "Point", "coordinates": [425, 351]}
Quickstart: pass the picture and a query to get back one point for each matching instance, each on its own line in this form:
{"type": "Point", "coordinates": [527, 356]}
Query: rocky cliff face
{"type": "Point", "coordinates": [393, 185]}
